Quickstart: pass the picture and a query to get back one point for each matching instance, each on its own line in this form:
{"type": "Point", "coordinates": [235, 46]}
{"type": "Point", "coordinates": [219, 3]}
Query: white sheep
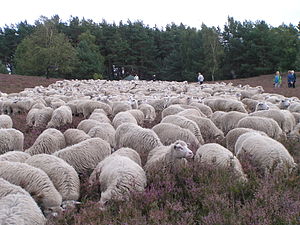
{"type": "Point", "coordinates": [5, 121]}
{"type": "Point", "coordinates": [209, 131]}
{"type": "Point", "coordinates": [140, 139]}
{"type": "Point", "coordinates": [148, 111]}
{"type": "Point", "coordinates": [20, 209]}
{"type": "Point", "coordinates": [104, 131]}
{"type": "Point", "coordinates": [268, 154]}
{"type": "Point", "coordinates": [63, 176]}
{"type": "Point", "coordinates": [206, 110]}
{"type": "Point", "coordinates": [100, 117]}
{"type": "Point", "coordinates": [118, 177]}
{"type": "Point", "coordinates": [267, 125]}
{"type": "Point", "coordinates": [220, 157]}
{"type": "Point", "coordinates": [130, 153]}
{"type": "Point", "coordinates": [33, 180]}
{"type": "Point", "coordinates": [89, 106]}
{"type": "Point", "coordinates": [7, 188]}
{"type": "Point", "coordinates": [169, 133]}
{"type": "Point", "coordinates": [87, 124]}
{"type": "Point", "coordinates": [164, 158]}
{"type": "Point", "coordinates": [183, 122]}
{"type": "Point", "coordinates": [74, 136]}
{"type": "Point", "coordinates": [39, 117]}
{"type": "Point", "coordinates": [85, 155]}
{"type": "Point", "coordinates": [49, 141]}
{"type": "Point", "coordinates": [226, 105]}
{"type": "Point", "coordinates": [123, 117]}
{"type": "Point", "coordinates": [138, 115]}
{"type": "Point", "coordinates": [11, 140]}
{"type": "Point", "coordinates": [120, 106]}
{"type": "Point", "coordinates": [60, 117]}
{"type": "Point", "coordinates": [171, 110]}
{"type": "Point", "coordinates": [14, 156]}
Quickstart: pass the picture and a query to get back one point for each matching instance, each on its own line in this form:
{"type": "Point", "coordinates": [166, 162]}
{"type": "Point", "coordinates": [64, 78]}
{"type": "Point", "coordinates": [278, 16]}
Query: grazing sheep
{"type": "Point", "coordinates": [284, 118]}
{"type": "Point", "coordinates": [268, 154]}
{"type": "Point", "coordinates": [49, 141]}
{"type": "Point", "coordinates": [33, 180]}
{"type": "Point", "coordinates": [7, 188]}
{"type": "Point", "coordinates": [74, 136]}
{"type": "Point", "coordinates": [140, 139]}
{"type": "Point", "coordinates": [123, 117]}
{"type": "Point", "coordinates": [5, 121]}
{"type": "Point", "coordinates": [233, 135]}
{"type": "Point", "coordinates": [191, 112]}
{"type": "Point", "coordinates": [106, 132]}
{"type": "Point", "coordinates": [118, 177]}
{"type": "Point", "coordinates": [267, 125]}
{"type": "Point", "coordinates": [100, 117]}
{"type": "Point", "coordinates": [209, 131]}
{"type": "Point", "coordinates": [148, 111]}
{"type": "Point", "coordinates": [14, 156]}
{"type": "Point", "coordinates": [20, 209]}
{"type": "Point", "coordinates": [294, 107]}
{"type": "Point", "coordinates": [63, 176]}
{"type": "Point", "coordinates": [159, 104]}
{"type": "Point", "coordinates": [39, 117]}
{"type": "Point", "coordinates": [121, 106]}
{"type": "Point", "coordinates": [183, 122]}
{"type": "Point", "coordinates": [206, 110]}
{"type": "Point", "coordinates": [164, 158]}
{"type": "Point", "coordinates": [89, 106]}
{"type": "Point", "coordinates": [11, 140]}
{"type": "Point", "coordinates": [60, 117]}
{"type": "Point", "coordinates": [226, 105]}
{"type": "Point", "coordinates": [220, 157]}
{"type": "Point", "coordinates": [138, 115]}
{"type": "Point", "coordinates": [171, 110]}
{"type": "Point", "coordinates": [85, 155]}
{"type": "Point", "coordinates": [130, 153]}
{"type": "Point", "coordinates": [169, 133]}
{"type": "Point", "coordinates": [87, 124]}
{"type": "Point", "coordinates": [250, 104]}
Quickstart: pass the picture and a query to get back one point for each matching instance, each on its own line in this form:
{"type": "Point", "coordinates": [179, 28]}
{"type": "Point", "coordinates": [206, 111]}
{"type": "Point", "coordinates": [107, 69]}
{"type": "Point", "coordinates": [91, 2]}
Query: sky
{"type": "Point", "coordinates": [155, 12]}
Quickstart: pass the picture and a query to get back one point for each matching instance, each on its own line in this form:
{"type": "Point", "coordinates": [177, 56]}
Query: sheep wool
{"type": "Point", "coordinates": [5, 121]}
{"type": "Point", "coordinates": [60, 117]}
{"type": "Point", "coordinates": [14, 156]}
{"type": "Point", "coordinates": [74, 136]}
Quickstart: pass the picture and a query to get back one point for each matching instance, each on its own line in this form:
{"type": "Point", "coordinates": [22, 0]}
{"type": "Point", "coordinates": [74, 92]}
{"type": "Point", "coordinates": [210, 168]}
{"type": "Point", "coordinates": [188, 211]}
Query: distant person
{"type": "Point", "coordinates": [136, 77]}
{"type": "Point", "coordinates": [277, 79]}
{"type": "Point", "coordinates": [154, 77]}
{"type": "Point", "coordinates": [200, 78]}
{"type": "Point", "coordinates": [291, 79]}
{"type": "Point", "coordinates": [294, 75]}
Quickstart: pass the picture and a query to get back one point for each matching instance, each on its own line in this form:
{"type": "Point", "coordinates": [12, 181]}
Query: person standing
{"type": "Point", "coordinates": [200, 78]}
{"type": "Point", "coordinates": [290, 79]}
{"type": "Point", "coordinates": [277, 79]}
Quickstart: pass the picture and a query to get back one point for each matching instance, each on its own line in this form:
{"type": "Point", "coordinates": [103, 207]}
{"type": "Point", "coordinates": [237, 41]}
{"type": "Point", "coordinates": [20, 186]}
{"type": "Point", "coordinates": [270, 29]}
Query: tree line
{"type": "Point", "coordinates": [84, 49]}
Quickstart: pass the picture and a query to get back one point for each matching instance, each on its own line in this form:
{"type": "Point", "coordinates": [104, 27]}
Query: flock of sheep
{"type": "Point", "coordinates": [213, 124]}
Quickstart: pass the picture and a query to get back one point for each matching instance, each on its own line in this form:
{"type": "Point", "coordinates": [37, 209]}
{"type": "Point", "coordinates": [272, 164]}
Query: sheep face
{"type": "Point", "coordinates": [262, 106]}
{"type": "Point", "coordinates": [180, 150]}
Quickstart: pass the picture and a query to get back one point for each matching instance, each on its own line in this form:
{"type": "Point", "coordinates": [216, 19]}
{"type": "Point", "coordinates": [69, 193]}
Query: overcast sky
{"type": "Point", "coordinates": [155, 12]}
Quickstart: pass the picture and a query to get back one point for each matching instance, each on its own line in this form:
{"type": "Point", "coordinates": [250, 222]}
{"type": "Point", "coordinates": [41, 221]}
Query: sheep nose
{"type": "Point", "coordinates": [189, 154]}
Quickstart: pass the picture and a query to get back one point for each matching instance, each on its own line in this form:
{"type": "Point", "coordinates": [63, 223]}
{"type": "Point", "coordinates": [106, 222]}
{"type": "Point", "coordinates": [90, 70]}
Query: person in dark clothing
{"type": "Point", "coordinates": [290, 79]}
{"type": "Point", "coordinates": [294, 80]}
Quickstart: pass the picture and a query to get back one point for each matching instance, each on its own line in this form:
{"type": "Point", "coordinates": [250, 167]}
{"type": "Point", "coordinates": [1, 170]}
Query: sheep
{"type": "Point", "coordinates": [88, 107]}
{"type": "Point", "coordinates": [33, 180]}
{"type": "Point", "coordinates": [74, 136]}
{"type": "Point", "coordinates": [171, 110]}
{"type": "Point", "coordinates": [226, 105]}
{"type": "Point", "coordinates": [228, 120]}
{"type": "Point", "coordinates": [7, 188]}
{"type": "Point", "coordinates": [159, 104]}
{"type": "Point", "coordinates": [87, 124]}
{"type": "Point", "coordinates": [14, 156]}
{"type": "Point", "coordinates": [123, 117]}
{"type": "Point", "coordinates": [121, 106]}
{"type": "Point", "coordinates": [262, 106]}
{"type": "Point", "coordinates": [104, 131]}
{"type": "Point", "coordinates": [250, 104]}
{"type": "Point", "coordinates": [184, 123]}
{"type": "Point", "coordinates": [284, 104]}
{"type": "Point", "coordinates": [11, 140]}
{"type": "Point", "coordinates": [284, 118]}
{"type": "Point", "coordinates": [39, 117]}
{"type": "Point", "coordinates": [100, 117]}
{"type": "Point", "coordinates": [60, 117]}
{"type": "Point", "coordinates": [209, 131]}
{"type": "Point", "coordinates": [220, 157]}
{"type": "Point", "coordinates": [191, 112]}
{"type": "Point", "coordinates": [233, 135]}
{"type": "Point", "coordinates": [164, 158]}
{"type": "Point", "coordinates": [49, 141]}
{"type": "Point", "coordinates": [268, 154]}
{"type": "Point", "coordinates": [294, 136]}
{"type": "Point", "coordinates": [140, 139]}
{"type": "Point", "coordinates": [148, 110]}
{"type": "Point", "coordinates": [130, 153]}
{"type": "Point", "coordinates": [20, 209]}
{"type": "Point", "coordinates": [85, 155]}
{"type": "Point", "coordinates": [267, 125]}
{"type": "Point", "coordinates": [63, 176]}
{"type": "Point", "coordinates": [206, 110]}
{"type": "Point", "coordinates": [138, 115]}
{"type": "Point", "coordinates": [118, 177]}
{"type": "Point", "coordinates": [294, 107]}
{"type": "Point", "coordinates": [168, 133]}
{"type": "Point", "coordinates": [5, 121]}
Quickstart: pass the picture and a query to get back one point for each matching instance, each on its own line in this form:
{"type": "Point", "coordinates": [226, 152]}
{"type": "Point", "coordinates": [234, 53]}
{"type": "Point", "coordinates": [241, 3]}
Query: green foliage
{"type": "Point", "coordinates": [97, 76]}
{"type": "Point", "coordinates": [3, 68]}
